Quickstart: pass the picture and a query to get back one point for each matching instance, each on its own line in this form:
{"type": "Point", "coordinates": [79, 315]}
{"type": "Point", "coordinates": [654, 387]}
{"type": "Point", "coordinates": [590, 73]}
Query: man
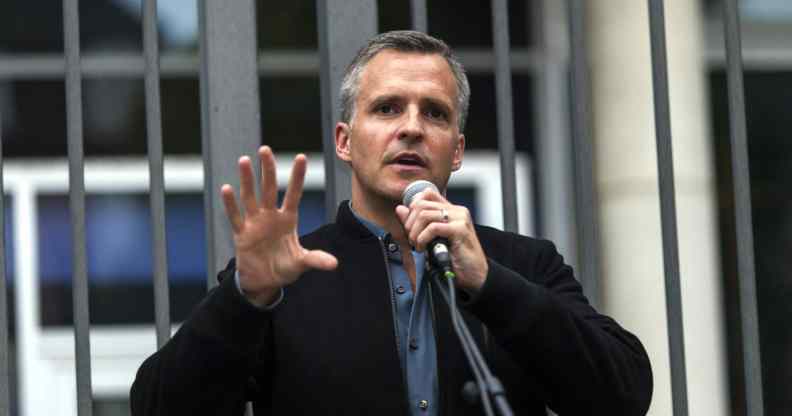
{"type": "Point", "coordinates": [346, 321]}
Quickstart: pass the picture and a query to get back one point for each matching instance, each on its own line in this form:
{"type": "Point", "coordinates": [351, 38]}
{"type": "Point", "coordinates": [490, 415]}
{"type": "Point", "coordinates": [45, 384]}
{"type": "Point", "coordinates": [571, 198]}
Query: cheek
{"type": "Point", "coordinates": [447, 148]}
{"type": "Point", "coordinates": [363, 152]}
{"type": "Point", "coordinates": [371, 142]}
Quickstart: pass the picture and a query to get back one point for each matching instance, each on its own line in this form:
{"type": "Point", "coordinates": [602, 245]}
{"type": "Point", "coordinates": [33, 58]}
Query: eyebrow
{"type": "Point", "coordinates": [387, 98]}
{"type": "Point", "coordinates": [439, 104]}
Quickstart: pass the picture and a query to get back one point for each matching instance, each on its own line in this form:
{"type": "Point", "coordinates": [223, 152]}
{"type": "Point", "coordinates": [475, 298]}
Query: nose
{"type": "Point", "coordinates": [412, 126]}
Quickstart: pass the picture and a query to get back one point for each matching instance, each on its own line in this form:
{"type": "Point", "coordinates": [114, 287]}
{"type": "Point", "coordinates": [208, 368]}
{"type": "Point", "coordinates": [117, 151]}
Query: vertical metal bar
{"type": "Point", "coordinates": [344, 26]}
{"type": "Point", "coordinates": [585, 197]}
{"type": "Point", "coordinates": [5, 380]}
{"type": "Point", "coordinates": [503, 96]}
{"type": "Point", "coordinates": [156, 174]}
{"type": "Point", "coordinates": [82, 344]}
{"type": "Point", "coordinates": [742, 201]}
{"type": "Point", "coordinates": [665, 168]}
{"type": "Point", "coordinates": [420, 20]}
{"type": "Point", "coordinates": [553, 168]}
{"type": "Point", "coordinates": [230, 117]}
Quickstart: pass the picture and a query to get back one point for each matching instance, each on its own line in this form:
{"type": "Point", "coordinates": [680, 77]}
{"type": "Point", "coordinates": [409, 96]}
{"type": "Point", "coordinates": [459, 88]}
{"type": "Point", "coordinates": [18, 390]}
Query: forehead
{"type": "Point", "coordinates": [391, 71]}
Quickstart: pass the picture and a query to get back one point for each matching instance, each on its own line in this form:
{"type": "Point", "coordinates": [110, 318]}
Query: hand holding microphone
{"type": "Point", "coordinates": [432, 223]}
{"type": "Point", "coordinates": [435, 224]}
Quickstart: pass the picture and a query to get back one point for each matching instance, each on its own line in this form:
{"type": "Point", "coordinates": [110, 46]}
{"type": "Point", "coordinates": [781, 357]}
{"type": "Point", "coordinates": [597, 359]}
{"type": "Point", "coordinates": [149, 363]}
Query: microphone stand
{"type": "Point", "coordinates": [489, 387]}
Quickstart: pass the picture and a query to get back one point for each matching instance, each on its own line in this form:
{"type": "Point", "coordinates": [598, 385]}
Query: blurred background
{"type": "Point", "coordinates": [38, 242]}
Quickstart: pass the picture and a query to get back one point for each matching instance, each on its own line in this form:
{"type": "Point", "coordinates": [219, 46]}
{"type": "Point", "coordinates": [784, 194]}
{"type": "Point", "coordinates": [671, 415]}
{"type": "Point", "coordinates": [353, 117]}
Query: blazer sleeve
{"type": "Point", "coordinates": [536, 311]}
{"type": "Point", "coordinates": [207, 368]}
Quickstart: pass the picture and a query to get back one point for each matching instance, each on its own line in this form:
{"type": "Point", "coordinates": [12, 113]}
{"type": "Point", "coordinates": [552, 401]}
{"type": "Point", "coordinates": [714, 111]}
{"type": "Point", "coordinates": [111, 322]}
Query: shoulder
{"type": "Point", "coordinates": [519, 252]}
{"type": "Point", "coordinates": [497, 243]}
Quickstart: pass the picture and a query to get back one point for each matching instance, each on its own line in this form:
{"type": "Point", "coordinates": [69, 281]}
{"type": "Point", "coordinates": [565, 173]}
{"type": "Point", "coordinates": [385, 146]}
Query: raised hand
{"type": "Point", "coordinates": [268, 251]}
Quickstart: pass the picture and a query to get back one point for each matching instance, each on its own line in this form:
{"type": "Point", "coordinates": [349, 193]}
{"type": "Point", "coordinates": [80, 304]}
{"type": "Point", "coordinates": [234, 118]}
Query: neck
{"type": "Point", "coordinates": [380, 211]}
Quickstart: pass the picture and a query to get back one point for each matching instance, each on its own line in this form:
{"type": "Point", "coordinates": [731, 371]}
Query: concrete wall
{"type": "Point", "coordinates": [633, 279]}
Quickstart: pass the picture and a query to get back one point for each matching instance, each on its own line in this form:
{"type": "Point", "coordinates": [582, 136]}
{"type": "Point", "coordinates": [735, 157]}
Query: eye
{"type": "Point", "coordinates": [386, 109]}
{"type": "Point", "coordinates": [436, 114]}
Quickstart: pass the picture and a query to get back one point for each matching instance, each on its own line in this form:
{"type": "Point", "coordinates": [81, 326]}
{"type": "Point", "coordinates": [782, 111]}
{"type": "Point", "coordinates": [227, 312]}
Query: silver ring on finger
{"type": "Point", "coordinates": [444, 214]}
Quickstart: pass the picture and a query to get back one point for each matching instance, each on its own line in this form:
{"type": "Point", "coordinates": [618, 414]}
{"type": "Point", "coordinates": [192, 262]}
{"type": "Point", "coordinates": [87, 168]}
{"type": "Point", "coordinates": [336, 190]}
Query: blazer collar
{"type": "Point", "coordinates": [349, 225]}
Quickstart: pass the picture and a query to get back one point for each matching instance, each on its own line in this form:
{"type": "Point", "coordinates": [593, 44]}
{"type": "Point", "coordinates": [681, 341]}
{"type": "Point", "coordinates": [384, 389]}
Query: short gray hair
{"type": "Point", "coordinates": [402, 41]}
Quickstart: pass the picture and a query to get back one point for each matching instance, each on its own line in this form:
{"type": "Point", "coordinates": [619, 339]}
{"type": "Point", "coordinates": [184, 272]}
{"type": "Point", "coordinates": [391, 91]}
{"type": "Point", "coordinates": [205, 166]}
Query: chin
{"type": "Point", "coordinates": [391, 187]}
{"type": "Point", "coordinates": [394, 192]}
{"type": "Point", "coordinates": [402, 183]}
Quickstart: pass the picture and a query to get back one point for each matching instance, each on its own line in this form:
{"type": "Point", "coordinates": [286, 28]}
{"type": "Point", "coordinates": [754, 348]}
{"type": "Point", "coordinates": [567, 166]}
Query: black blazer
{"type": "Point", "coordinates": [330, 347]}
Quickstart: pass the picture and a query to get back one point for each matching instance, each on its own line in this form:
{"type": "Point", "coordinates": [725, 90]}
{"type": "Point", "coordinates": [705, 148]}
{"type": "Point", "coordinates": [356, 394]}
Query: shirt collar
{"type": "Point", "coordinates": [374, 228]}
{"type": "Point", "coordinates": [392, 249]}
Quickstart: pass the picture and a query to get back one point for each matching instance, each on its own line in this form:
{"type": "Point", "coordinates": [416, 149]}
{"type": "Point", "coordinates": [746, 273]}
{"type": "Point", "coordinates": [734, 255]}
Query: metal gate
{"type": "Point", "coordinates": [230, 127]}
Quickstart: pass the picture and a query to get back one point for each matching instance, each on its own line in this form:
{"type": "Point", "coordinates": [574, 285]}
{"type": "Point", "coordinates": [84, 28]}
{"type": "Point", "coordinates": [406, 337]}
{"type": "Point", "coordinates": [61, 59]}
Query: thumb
{"type": "Point", "coordinates": [402, 212]}
{"type": "Point", "coordinates": [318, 259]}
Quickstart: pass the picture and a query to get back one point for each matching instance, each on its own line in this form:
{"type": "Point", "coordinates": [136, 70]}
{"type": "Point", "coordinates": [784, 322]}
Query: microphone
{"type": "Point", "coordinates": [437, 248]}
{"type": "Point", "coordinates": [487, 387]}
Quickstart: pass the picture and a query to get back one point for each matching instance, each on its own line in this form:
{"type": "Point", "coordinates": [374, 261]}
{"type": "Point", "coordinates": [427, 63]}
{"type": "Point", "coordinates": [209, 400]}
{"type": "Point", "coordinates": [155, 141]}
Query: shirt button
{"type": "Point", "coordinates": [400, 290]}
{"type": "Point", "coordinates": [392, 247]}
{"type": "Point", "coordinates": [413, 344]}
{"type": "Point", "coordinates": [423, 404]}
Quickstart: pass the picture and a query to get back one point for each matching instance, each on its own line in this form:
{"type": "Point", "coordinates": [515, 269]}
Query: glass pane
{"type": "Point", "coordinates": [286, 24]}
{"type": "Point", "coordinates": [24, 28]}
{"type": "Point", "coordinates": [481, 131]}
{"type": "Point", "coordinates": [181, 116]}
{"type": "Point", "coordinates": [778, 11]}
{"type": "Point", "coordinates": [768, 99]}
{"type": "Point", "coordinates": [290, 114]}
{"type": "Point", "coordinates": [116, 25]}
{"type": "Point", "coordinates": [118, 234]}
{"type": "Point", "coordinates": [113, 117]}
{"type": "Point", "coordinates": [37, 124]}
{"type": "Point", "coordinates": [462, 24]}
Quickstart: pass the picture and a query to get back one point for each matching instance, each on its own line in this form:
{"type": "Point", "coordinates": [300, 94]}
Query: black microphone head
{"type": "Point", "coordinates": [414, 188]}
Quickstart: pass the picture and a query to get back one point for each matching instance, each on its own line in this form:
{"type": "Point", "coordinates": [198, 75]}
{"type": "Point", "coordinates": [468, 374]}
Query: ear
{"type": "Point", "coordinates": [459, 153]}
{"type": "Point", "coordinates": [342, 141]}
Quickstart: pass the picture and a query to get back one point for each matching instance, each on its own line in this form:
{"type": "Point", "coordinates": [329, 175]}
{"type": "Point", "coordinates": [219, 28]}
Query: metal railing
{"type": "Point", "coordinates": [665, 169]}
{"type": "Point", "coordinates": [74, 123]}
{"type": "Point", "coordinates": [742, 200]}
{"type": "Point", "coordinates": [5, 397]}
{"type": "Point", "coordinates": [231, 127]}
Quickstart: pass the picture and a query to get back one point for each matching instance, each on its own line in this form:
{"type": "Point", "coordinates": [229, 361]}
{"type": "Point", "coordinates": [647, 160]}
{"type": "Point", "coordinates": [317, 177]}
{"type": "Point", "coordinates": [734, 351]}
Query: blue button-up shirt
{"type": "Point", "coordinates": [414, 325]}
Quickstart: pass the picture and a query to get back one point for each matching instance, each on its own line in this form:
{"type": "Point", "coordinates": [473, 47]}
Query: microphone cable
{"type": "Point", "coordinates": [449, 296]}
{"type": "Point", "coordinates": [486, 382]}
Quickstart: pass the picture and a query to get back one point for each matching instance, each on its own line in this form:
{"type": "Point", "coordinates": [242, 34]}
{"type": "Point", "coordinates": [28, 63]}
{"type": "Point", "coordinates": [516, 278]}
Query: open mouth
{"type": "Point", "coordinates": [409, 160]}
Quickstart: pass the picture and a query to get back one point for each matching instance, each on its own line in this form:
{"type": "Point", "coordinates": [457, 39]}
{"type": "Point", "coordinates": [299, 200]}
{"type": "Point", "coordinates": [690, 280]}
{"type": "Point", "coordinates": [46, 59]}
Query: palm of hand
{"type": "Point", "coordinates": [268, 248]}
{"type": "Point", "coordinates": [268, 251]}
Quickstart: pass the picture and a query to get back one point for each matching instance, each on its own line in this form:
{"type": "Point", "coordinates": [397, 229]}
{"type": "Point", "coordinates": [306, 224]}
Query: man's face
{"type": "Point", "coordinates": [405, 125]}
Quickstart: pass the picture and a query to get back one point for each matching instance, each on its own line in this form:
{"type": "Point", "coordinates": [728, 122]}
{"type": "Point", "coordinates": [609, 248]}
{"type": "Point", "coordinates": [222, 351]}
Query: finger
{"type": "Point", "coordinates": [231, 208]}
{"type": "Point", "coordinates": [318, 259]}
{"type": "Point", "coordinates": [269, 178]}
{"type": "Point", "coordinates": [419, 206]}
{"type": "Point", "coordinates": [435, 230]}
{"type": "Point", "coordinates": [429, 194]}
{"type": "Point", "coordinates": [246, 193]}
{"type": "Point", "coordinates": [402, 212]}
{"type": "Point", "coordinates": [423, 220]}
{"type": "Point", "coordinates": [295, 189]}
{"type": "Point", "coordinates": [410, 223]}
{"type": "Point", "coordinates": [427, 204]}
